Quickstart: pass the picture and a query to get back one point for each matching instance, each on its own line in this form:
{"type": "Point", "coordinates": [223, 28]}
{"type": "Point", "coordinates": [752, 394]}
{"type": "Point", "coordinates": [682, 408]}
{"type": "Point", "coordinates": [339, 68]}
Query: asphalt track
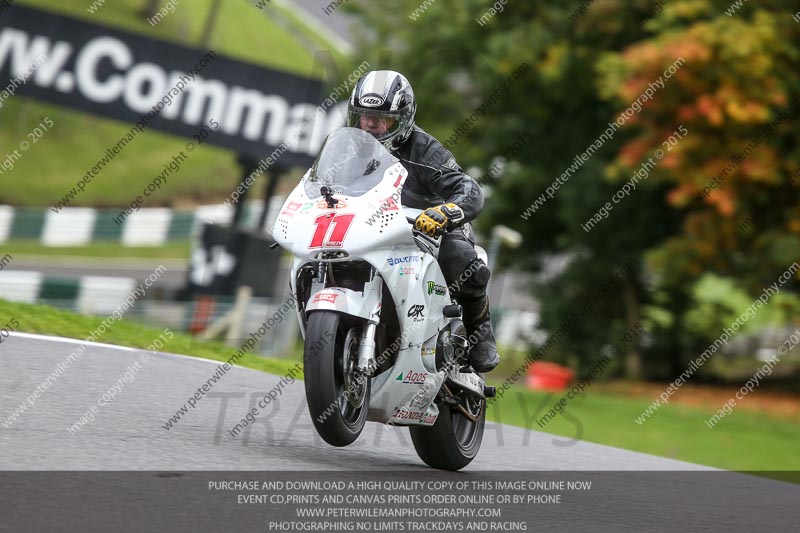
{"type": "Point", "coordinates": [128, 473]}
{"type": "Point", "coordinates": [128, 432]}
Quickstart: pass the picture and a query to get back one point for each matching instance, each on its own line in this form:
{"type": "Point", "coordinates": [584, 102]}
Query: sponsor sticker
{"type": "Point", "coordinates": [406, 271]}
{"type": "Point", "coordinates": [415, 415]}
{"type": "Point", "coordinates": [290, 209]}
{"type": "Point", "coordinates": [400, 260]}
{"type": "Point", "coordinates": [307, 207]}
{"type": "Point", "coordinates": [323, 204]}
{"type": "Point", "coordinates": [419, 401]}
{"type": "Point", "coordinates": [388, 204]}
{"type": "Point", "coordinates": [412, 378]}
{"type": "Point", "coordinates": [371, 100]}
{"type": "Point", "coordinates": [325, 297]}
{"type": "Point", "coordinates": [416, 313]}
{"type": "Point", "coordinates": [434, 288]}
{"type": "Point", "coordinates": [428, 420]}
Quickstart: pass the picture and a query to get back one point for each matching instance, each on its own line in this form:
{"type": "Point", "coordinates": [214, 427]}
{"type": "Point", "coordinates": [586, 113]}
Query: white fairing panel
{"type": "Point", "coordinates": [372, 227]}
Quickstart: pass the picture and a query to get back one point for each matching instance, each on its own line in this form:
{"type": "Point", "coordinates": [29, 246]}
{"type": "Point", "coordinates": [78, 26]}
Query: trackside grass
{"type": "Point", "coordinates": [742, 441]}
{"type": "Point", "coordinates": [33, 249]}
{"type": "Point", "coordinates": [50, 321]}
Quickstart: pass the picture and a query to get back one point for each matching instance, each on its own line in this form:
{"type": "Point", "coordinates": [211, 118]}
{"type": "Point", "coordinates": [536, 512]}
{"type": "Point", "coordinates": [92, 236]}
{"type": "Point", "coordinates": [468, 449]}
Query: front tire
{"type": "Point", "coordinates": [330, 354]}
{"type": "Point", "coordinates": [453, 441]}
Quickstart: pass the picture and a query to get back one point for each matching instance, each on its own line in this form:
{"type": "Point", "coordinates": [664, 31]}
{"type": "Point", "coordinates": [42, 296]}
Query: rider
{"type": "Point", "coordinates": [383, 104]}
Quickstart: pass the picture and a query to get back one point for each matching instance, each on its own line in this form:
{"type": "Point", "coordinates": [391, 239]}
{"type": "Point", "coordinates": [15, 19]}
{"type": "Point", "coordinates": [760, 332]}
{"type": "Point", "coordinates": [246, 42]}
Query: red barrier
{"type": "Point", "coordinates": [549, 377]}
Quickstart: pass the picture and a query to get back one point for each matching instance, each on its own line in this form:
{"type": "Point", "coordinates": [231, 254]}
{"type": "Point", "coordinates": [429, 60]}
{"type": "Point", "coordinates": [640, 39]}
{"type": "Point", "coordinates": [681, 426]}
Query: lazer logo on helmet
{"type": "Point", "coordinates": [371, 101]}
{"type": "Point", "coordinates": [412, 378]}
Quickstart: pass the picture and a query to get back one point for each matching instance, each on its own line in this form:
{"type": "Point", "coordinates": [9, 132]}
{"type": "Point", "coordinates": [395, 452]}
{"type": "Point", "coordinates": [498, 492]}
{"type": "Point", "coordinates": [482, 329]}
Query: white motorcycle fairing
{"type": "Point", "coordinates": [372, 227]}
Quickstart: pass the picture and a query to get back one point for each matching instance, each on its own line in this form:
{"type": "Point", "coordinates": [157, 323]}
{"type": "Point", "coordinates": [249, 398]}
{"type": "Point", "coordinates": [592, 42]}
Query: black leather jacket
{"type": "Point", "coordinates": [435, 178]}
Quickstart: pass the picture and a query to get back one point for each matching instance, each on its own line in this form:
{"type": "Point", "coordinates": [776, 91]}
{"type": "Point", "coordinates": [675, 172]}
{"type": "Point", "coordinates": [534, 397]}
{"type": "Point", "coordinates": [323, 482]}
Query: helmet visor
{"type": "Point", "coordinates": [382, 125]}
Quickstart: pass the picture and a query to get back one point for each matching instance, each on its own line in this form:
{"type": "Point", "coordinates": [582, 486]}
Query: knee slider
{"type": "Point", "coordinates": [480, 274]}
{"type": "Point", "coordinates": [474, 280]}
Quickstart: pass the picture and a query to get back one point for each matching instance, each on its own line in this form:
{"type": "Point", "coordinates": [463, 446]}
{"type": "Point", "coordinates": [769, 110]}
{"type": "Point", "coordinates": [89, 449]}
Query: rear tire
{"type": "Point", "coordinates": [453, 441]}
{"type": "Point", "coordinates": [338, 418]}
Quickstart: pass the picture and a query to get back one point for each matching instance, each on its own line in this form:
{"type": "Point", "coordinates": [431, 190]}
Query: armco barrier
{"type": "Point", "coordinates": [79, 226]}
{"type": "Point", "coordinates": [88, 294]}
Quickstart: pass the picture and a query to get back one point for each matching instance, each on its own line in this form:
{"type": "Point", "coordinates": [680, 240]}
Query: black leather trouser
{"type": "Point", "coordinates": [467, 276]}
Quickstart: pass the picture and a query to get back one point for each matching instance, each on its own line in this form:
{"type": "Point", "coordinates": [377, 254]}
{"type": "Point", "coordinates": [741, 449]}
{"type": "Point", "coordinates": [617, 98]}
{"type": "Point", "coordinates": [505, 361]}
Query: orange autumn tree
{"type": "Point", "coordinates": [736, 175]}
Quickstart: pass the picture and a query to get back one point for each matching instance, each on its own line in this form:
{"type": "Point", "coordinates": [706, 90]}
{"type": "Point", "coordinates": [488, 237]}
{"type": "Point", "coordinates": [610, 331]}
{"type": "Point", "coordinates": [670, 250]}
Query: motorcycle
{"type": "Point", "coordinates": [383, 339]}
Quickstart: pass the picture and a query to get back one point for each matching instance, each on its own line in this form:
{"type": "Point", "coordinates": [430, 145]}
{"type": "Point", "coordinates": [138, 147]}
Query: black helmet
{"type": "Point", "coordinates": [380, 95]}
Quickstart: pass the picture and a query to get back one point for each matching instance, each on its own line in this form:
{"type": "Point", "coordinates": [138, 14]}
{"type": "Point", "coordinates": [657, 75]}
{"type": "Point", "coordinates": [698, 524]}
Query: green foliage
{"type": "Point", "coordinates": [718, 302]}
{"type": "Point", "coordinates": [739, 72]}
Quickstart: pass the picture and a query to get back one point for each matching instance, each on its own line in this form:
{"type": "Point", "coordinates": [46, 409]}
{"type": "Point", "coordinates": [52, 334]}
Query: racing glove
{"type": "Point", "coordinates": [435, 220]}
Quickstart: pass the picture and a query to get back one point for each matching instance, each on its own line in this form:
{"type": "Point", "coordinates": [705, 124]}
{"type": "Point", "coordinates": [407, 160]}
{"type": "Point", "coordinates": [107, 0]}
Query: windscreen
{"type": "Point", "coordinates": [351, 162]}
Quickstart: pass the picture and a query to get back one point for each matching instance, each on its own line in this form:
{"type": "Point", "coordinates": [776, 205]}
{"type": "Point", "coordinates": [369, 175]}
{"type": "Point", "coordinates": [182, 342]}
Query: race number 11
{"type": "Point", "coordinates": [334, 226]}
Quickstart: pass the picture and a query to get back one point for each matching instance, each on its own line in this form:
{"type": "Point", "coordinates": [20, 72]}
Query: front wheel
{"type": "Point", "coordinates": [454, 440]}
{"type": "Point", "coordinates": [337, 399]}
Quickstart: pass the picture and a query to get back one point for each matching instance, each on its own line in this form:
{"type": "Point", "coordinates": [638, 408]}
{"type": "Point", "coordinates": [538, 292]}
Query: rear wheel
{"type": "Point", "coordinates": [455, 438]}
{"type": "Point", "coordinates": [337, 399]}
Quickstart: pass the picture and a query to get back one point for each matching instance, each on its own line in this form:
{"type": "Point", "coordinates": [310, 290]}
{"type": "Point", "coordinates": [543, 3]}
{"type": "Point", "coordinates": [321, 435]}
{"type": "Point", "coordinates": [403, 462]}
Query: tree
{"type": "Point", "coordinates": [586, 70]}
{"type": "Point", "coordinates": [733, 179]}
{"type": "Point", "coordinates": [456, 66]}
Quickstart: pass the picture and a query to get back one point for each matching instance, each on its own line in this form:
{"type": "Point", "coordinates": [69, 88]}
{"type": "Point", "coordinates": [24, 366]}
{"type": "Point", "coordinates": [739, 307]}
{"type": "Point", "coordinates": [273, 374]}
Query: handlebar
{"type": "Point", "coordinates": [425, 242]}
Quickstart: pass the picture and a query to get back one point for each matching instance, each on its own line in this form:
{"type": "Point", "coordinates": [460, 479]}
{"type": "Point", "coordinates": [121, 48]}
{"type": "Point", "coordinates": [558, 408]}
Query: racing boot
{"type": "Point", "coordinates": [483, 354]}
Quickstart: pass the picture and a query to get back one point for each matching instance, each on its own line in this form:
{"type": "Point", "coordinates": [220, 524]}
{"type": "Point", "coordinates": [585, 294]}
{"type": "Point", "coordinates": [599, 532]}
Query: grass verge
{"type": "Point", "coordinates": [741, 441]}
{"type": "Point", "coordinates": [50, 321]}
{"type": "Point", "coordinates": [32, 249]}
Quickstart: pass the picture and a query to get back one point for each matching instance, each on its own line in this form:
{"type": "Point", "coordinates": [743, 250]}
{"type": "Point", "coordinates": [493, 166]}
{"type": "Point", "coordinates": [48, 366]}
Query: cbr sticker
{"type": "Point", "coordinates": [415, 312]}
{"type": "Point", "coordinates": [325, 297]}
{"type": "Point", "coordinates": [412, 378]}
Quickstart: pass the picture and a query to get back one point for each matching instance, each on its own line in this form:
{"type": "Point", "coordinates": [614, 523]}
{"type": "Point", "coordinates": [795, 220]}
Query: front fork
{"type": "Point", "coordinates": [366, 349]}
{"type": "Point", "coordinates": [373, 293]}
